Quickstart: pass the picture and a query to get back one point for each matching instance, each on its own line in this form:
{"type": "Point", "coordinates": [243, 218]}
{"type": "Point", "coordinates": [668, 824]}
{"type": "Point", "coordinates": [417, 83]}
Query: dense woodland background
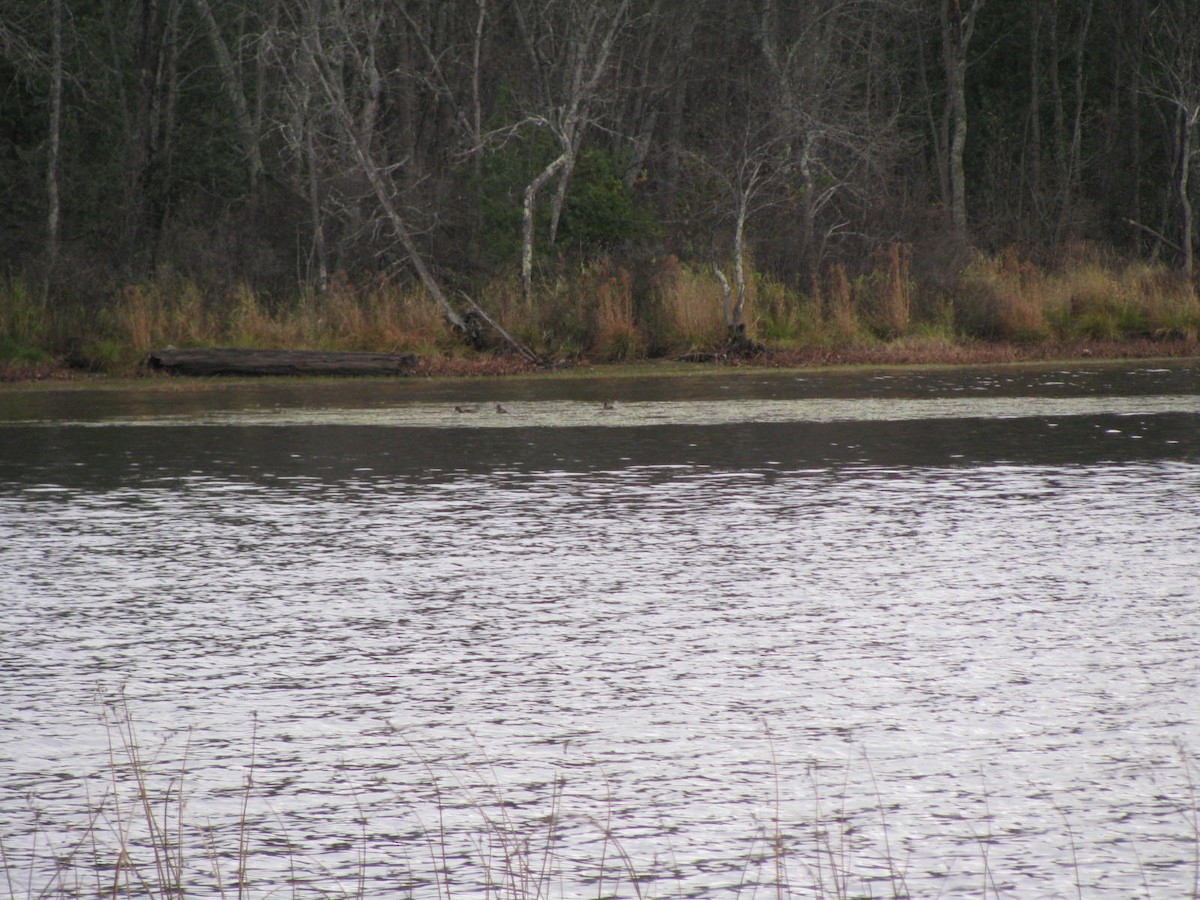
{"type": "Point", "coordinates": [498, 149]}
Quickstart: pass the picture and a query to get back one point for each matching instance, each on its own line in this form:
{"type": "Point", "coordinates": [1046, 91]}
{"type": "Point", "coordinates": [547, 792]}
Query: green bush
{"type": "Point", "coordinates": [600, 212]}
{"type": "Point", "coordinates": [14, 351]}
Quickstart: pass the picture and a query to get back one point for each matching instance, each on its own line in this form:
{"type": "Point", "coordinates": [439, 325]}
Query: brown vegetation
{"type": "Point", "coordinates": [1003, 308]}
{"type": "Point", "coordinates": [606, 180]}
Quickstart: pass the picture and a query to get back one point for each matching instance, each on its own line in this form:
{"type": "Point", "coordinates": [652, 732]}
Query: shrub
{"type": "Point", "coordinates": [616, 335]}
{"type": "Point", "coordinates": [24, 314]}
{"type": "Point", "coordinates": [885, 294]}
{"type": "Point", "coordinates": [1002, 298]}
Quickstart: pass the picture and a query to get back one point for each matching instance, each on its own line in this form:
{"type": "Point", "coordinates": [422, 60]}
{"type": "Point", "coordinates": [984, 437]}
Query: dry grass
{"type": "Point", "coordinates": [617, 338]}
{"type": "Point", "coordinates": [1007, 297]}
{"type": "Point", "coordinates": [1004, 298]}
{"type": "Point", "coordinates": [601, 312]}
{"type": "Point", "coordinates": [692, 306]}
{"type": "Point", "coordinates": [884, 295]}
{"type": "Point", "coordinates": [839, 301]}
{"type": "Point", "coordinates": [377, 316]}
{"type": "Point", "coordinates": [133, 835]}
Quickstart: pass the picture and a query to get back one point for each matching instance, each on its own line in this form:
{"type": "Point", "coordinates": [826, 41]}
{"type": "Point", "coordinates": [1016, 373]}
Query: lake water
{"type": "Point", "coordinates": [929, 633]}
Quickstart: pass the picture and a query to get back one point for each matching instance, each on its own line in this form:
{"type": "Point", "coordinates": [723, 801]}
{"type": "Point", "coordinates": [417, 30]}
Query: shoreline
{"type": "Point", "coordinates": [899, 354]}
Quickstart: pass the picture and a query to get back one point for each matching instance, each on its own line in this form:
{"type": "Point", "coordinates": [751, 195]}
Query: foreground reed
{"type": "Point", "coordinates": [134, 836]}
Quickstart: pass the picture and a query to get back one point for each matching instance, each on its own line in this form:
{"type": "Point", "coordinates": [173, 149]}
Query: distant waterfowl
{"type": "Point", "coordinates": [500, 409]}
{"type": "Point", "coordinates": [464, 409]}
{"type": "Point", "coordinates": [608, 404]}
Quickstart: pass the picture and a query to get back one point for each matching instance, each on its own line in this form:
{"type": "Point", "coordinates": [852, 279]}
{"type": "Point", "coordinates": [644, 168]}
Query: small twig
{"type": "Point", "coordinates": [899, 883]}
{"type": "Point", "coordinates": [243, 848]}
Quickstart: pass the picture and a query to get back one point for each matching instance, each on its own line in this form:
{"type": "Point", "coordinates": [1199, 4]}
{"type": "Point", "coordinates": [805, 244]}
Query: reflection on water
{"type": "Point", "coordinates": [980, 632]}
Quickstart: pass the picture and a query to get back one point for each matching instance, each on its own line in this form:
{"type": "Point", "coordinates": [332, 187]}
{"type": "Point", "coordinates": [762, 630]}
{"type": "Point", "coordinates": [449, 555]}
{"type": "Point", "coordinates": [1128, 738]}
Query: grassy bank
{"type": "Point", "coordinates": [1001, 309]}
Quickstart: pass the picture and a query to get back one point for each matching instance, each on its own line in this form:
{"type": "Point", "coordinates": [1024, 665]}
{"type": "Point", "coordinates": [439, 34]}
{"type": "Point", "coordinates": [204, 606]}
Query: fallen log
{"type": "Point", "coordinates": [234, 361]}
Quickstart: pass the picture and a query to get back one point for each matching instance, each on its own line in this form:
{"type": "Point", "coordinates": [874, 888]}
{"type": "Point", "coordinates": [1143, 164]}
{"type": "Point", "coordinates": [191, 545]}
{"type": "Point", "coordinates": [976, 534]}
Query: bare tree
{"type": "Point", "coordinates": [958, 26]}
{"type": "Point", "coordinates": [464, 102]}
{"type": "Point", "coordinates": [822, 95]}
{"type": "Point", "coordinates": [299, 124]}
{"type": "Point", "coordinates": [344, 39]}
{"type": "Point", "coordinates": [143, 133]}
{"type": "Point", "coordinates": [54, 129]}
{"type": "Point", "coordinates": [741, 176]}
{"type": "Point", "coordinates": [755, 167]}
{"type": "Point", "coordinates": [1174, 79]}
{"type": "Point", "coordinates": [800, 68]}
{"type": "Point", "coordinates": [569, 55]}
{"type": "Point", "coordinates": [248, 119]}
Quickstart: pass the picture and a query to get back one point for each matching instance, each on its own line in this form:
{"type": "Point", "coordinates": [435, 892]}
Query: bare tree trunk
{"type": "Point", "coordinates": [726, 295]}
{"type": "Point", "coordinates": [1135, 108]}
{"type": "Point", "coordinates": [1056, 98]}
{"type": "Point", "coordinates": [938, 138]}
{"type": "Point", "coordinates": [531, 193]}
{"type": "Point", "coordinates": [1033, 147]}
{"type": "Point", "coordinates": [476, 98]}
{"type": "Point", "coordinates": [1187, 123]}
{"type": "Point", "coordinates": [314, 208]}
{"type": "Point", "coordinates": [234, 92]}
{"type": "Point", "coordinates": [736, 320]}
{"type": "Point", "coordinates": [1074, 161]}
{"type": "Point", "coordinates": [171, 102]}
{"type": "Point", "coordinates": [560, 196]}
{"type": "Point", "coordinates": [808, 234]}
{"type": "Point", "coordinates": [331, 84]}
{"type": "Point", "coordinates": [374, 85]}
{"type": "Point", "coordinates": [142, 150]}
{"type": "Point", "coordinates": [383, 194]}
{"type": "Point", "coordinates": [55, 136]}
{"type": "Point", "coordinates": [957, 27]}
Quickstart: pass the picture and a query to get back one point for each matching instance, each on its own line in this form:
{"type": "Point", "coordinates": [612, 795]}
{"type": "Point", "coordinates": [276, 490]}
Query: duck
{"type": "Point", "coordinates": [500, 409]}
{"type": "Point", "coordinates": [608, 404]}
{"type": "Point", "coordinates": [464, 409]}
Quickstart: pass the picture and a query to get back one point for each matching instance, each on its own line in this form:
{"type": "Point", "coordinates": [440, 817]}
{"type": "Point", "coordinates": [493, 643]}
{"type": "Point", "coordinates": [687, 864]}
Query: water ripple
{"type": "Point", "coordinates": [979, 657]}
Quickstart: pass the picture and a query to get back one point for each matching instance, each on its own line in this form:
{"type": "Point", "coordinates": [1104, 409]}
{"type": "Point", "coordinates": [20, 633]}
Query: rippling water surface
{"type": "Point", "coordinates": [940, 630]}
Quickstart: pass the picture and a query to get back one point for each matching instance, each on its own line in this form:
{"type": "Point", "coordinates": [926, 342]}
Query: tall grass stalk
{"type": "Point", "coordinates": [162, 828]}
{"type": "Point", "coordinates": [137, 840]}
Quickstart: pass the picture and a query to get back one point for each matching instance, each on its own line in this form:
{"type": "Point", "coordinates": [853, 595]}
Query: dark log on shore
{"type": "Point", "coordinates": [233, 361]}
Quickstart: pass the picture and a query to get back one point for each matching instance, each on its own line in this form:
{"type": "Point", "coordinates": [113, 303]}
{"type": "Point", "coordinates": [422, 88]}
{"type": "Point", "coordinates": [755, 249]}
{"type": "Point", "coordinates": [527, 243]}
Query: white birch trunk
{"type": "Point", "coordinates": [1188, 120]}
{"type": "Point", "coordinates": [531, 193]}
{"type": "Point", "coordinates": [736, 318]}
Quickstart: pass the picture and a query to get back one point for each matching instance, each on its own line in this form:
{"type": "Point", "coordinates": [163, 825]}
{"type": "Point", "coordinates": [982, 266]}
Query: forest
{"type": "Point", "coordinates": [606, 179]}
